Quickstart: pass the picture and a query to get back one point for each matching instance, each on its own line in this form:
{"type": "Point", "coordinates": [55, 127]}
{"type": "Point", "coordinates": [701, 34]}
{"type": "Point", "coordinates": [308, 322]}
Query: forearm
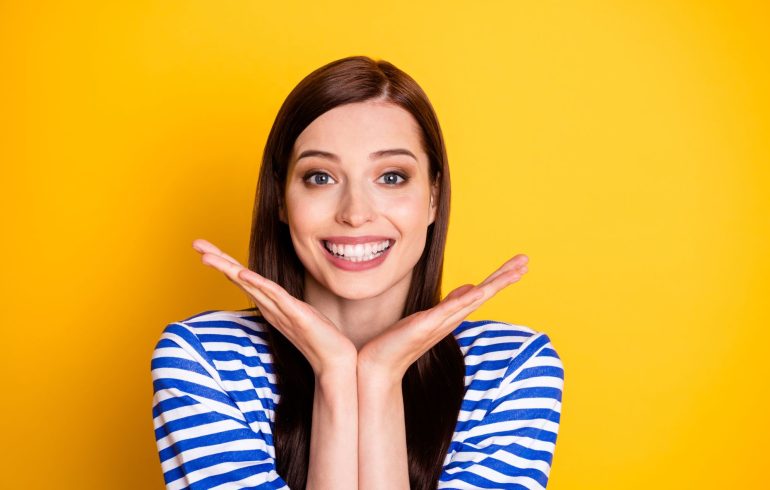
{"type": "Point", "coordinates": [334, 433]}
{"type": "Point", "coordinates": [382, 454]}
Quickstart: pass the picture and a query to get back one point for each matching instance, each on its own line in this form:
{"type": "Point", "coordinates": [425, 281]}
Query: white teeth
{"type": "Point", "coordinates": [358, 253]}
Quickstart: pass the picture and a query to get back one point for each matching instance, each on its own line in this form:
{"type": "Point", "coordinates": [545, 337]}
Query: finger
{"type": "Point", "coordinates": [499, 283]}
{"type": "Point", "coordinates": [518, 261]}
{"type": "Point", "coordinates": [267, 308]}
{"type": "Point", "coordinates": [255, 289]}
{"type": "Point", "coordinates": [455, 310]}
{"type": "Point", "coordinates": [466, 295]}
{"type": "Point", "coordinates": [482, 295]}
{"type": "Point", "coordinates": [272, 311]}
{"type": "Point", "coordinates": [223, 264]}
{"type": "Point", "coordinates": [458, 291]}
{"type": "Point", "coordinates": [288, 304]}
{"type": "Point", "coordinates": [458, 299]}
{"type": "Point", "coordinates": [204, 246]}
{"type": "Point", "coordinates": [436, 325]}
{"type": "Point", "coordinates": [294, 315]}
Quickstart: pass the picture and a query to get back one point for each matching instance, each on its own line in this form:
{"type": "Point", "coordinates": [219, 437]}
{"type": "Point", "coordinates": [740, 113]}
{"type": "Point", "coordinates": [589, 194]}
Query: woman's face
{"type": "Point", "coordinates": [357, 199]}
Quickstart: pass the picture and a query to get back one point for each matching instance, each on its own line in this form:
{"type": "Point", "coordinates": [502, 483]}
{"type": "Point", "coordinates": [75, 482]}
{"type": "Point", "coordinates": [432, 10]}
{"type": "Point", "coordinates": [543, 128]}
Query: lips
{"type": "Point", "coordinates": [356, 265]}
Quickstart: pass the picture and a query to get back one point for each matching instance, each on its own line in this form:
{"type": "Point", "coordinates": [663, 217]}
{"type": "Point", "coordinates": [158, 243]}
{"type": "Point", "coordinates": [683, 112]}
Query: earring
{"type": "Point", "coordinates": [431, 201]}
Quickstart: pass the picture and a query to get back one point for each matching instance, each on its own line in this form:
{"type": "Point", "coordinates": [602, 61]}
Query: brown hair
{"type": "Point", "coordinates": [433, 386]}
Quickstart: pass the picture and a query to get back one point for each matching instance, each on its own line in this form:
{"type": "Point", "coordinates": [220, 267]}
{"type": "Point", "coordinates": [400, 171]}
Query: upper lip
{"type": "Point", "coordinates": [353, 240]}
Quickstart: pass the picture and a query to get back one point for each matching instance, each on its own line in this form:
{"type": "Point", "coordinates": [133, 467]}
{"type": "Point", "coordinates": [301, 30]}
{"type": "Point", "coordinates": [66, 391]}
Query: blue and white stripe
{"type": "Point", "coordinates": [215, 396]}
{"type": "Point", "coordinates": [508, 423]}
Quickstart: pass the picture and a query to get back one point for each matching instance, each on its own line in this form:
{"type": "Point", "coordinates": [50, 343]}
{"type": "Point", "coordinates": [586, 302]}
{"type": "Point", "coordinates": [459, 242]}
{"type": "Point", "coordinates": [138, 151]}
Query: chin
{"type": "Point", "coordinates": [357, 291]}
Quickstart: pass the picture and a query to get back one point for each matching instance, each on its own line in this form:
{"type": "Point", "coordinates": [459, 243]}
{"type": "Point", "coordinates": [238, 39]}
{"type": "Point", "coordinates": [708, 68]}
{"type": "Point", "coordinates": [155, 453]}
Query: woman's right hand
{"type": "Point", "coordinates": [328, 351]}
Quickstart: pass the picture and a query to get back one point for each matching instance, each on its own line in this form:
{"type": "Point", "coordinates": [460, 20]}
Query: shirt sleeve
{"type": "Point", "coordinates": [203, 438]}
{"type": "Point", "coordinates": [512, 445]}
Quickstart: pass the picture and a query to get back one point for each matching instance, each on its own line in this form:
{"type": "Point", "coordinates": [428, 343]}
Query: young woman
{"type": "Point", "coordinates": [350, 371]}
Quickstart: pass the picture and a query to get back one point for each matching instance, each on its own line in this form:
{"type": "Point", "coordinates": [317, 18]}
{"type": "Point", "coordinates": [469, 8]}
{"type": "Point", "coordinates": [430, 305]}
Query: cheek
{"type": "Point", "coordinates": [409, 213]}
{"type": "Point", "coordinates": [307, 216]}
{"type": "Point", "coordinates": [301, 219]}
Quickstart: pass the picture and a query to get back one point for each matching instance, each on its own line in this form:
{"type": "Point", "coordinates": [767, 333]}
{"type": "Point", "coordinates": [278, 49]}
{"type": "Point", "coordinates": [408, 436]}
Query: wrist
{"type": "Point", "coordinates": [338, 376]}
{"type": "Point", "coordinates": [338, 397]}
{"type": "Point", "coordinates": [378, 376]}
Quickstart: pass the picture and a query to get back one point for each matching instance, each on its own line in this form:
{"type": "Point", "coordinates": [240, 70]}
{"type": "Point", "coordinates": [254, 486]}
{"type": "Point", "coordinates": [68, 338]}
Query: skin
{"type": "Point", "coordinates": [348, 325]}
{"type": "Point", "coordinates": [361, 196]}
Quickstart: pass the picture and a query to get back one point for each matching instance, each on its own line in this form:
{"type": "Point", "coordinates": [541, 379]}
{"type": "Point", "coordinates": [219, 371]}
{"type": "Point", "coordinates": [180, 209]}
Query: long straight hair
{"type": "Point", "coordinates": [433, 386]}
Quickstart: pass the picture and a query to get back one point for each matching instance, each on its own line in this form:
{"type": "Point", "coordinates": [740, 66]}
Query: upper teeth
{"type": "Point", "coordinates": [357, 251]}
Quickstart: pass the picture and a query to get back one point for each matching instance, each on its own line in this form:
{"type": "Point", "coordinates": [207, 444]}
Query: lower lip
{"type": "Point", "coordinates": [356, 266]}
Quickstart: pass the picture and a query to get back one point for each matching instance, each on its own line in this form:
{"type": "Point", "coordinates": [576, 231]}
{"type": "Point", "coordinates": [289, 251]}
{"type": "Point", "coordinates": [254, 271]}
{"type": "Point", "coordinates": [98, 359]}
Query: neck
{"type": "Point", "coordinates": [360, 320]}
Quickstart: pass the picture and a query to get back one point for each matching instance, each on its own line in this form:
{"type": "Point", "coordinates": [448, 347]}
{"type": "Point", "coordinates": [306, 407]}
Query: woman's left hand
{"type": "Point", "coordinates": [391, 353]}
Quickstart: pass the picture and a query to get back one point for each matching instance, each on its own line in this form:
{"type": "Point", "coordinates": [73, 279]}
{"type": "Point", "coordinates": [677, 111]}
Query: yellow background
{"type": "Point", "coordinates": [622, 145]}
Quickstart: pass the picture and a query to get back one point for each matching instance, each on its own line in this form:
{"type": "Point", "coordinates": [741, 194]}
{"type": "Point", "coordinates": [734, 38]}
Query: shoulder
{"type": "Point", "coordinates": [496, 349]}
{"type": "Point", "coordinates": [483, 337]}
{"type": "Point", "coordinates": [215, 336]}
{"type": "Point", "coordinates": [221, 325]}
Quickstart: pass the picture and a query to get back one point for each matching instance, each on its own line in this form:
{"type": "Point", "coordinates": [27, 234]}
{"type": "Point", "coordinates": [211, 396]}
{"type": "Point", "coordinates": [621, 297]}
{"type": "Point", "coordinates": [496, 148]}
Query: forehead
{"type": "Point", "coordinates": [361, 128]}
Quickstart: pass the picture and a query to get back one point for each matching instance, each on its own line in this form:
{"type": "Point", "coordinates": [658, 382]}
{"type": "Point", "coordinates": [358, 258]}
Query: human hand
{"type": "Point", "coordinates": [391, 353]}
{"type": "Point", "coordinates": [317, 338]}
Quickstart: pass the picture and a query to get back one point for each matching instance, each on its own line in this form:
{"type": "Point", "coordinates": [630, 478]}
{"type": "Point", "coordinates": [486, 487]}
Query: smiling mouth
{"type": "Point", "coordinates": [361, 252]}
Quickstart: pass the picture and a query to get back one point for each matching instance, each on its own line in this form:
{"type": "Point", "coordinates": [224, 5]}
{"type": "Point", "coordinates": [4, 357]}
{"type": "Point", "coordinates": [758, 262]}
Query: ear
{"type": "Point", "coordinates": [434, 198]}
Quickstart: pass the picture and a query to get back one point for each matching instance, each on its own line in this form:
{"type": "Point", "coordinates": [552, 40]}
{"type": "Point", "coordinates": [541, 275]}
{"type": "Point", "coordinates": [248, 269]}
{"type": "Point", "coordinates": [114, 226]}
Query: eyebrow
{"type": "Point", "coordinates": [372, 156]}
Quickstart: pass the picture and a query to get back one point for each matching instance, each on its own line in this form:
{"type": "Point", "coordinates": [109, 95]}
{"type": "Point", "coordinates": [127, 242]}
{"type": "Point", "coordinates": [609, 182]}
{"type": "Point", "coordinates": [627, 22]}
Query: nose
{"type": "Point", "coordinates": [355, 207]}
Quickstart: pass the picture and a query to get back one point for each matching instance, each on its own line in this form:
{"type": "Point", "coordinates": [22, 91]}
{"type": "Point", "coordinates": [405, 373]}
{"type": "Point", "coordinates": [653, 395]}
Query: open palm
{"type": "Point", "coordinates": [316, 337]}
{"type": "Point", "coordinates": [393, 351]}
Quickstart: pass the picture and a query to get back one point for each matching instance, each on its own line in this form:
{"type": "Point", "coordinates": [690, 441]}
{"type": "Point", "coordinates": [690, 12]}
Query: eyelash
{"type": "Point", "coordinates": [311, 174]}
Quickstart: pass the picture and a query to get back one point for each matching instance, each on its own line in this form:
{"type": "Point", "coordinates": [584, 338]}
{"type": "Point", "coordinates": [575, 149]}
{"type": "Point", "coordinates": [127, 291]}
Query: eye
{"type": "Point", "coordinates": [318, 178]}
{"type": "Point", "coordinates": [391, 178]}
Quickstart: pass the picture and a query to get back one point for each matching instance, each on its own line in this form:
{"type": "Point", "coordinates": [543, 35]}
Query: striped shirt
{"type": "Point", "coordinates": [215, 394]}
